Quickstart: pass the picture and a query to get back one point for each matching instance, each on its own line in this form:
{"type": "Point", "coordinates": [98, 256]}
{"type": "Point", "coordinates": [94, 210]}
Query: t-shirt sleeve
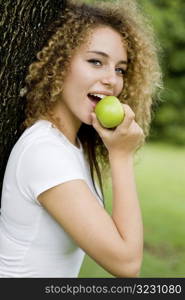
{"type": "Point", "coordinates": [45, 165]}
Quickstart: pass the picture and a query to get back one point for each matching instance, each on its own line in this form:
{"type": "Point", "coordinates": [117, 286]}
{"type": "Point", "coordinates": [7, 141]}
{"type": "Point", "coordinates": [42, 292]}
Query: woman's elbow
{"type": "Point", "coordinates": [130, 269]}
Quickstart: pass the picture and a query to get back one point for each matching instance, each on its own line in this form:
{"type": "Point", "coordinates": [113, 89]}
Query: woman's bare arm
{"type": "Point", "coordinates": [115, 242]}
{"type": "Point", "coordinates": [126, 212]}
{"type": "Point", "coordinates": [75, 208]}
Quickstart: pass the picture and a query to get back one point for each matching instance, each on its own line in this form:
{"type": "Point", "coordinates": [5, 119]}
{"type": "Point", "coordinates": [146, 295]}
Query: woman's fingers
{"type": "Point", "coordinates": [136, 129]}
{"type": "Point", "coordinates": [129, 117]}
{"type": "Point", "coordinates": [126, 137]}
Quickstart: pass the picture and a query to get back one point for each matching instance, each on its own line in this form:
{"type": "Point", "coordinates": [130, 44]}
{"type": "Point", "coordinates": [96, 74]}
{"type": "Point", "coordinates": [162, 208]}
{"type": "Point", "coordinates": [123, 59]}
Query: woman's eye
{"type": "Point", "coordinates": [121, 71]}
{"type": "Point", "coordinates": [95, 62]}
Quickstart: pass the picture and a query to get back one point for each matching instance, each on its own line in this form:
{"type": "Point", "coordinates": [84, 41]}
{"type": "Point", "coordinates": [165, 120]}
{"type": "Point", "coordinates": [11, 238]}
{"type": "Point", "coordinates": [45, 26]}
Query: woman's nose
{"type": "Point", "coordinates": [110, 78]}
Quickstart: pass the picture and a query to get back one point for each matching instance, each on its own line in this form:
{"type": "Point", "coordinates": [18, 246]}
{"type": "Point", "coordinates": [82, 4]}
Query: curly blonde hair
{"type": "Point", "coordinates": [73, 27]}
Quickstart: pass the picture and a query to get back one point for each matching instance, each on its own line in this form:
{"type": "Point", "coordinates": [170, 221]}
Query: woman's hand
{"type": "Point", "coordinates": [123, 140]}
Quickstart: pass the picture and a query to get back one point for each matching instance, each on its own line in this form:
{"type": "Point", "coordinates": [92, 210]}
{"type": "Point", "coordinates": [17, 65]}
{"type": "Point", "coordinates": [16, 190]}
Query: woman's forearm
{"type": "Point", "coordinates": [126, 212]}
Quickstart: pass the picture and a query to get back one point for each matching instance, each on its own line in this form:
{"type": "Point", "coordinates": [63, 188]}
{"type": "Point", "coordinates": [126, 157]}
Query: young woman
{"type": "Point", "coordinates": [52, 211]}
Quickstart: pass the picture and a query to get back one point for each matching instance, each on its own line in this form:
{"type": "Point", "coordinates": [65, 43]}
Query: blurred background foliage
{"type": "Point", "coordinates": [168, 20]}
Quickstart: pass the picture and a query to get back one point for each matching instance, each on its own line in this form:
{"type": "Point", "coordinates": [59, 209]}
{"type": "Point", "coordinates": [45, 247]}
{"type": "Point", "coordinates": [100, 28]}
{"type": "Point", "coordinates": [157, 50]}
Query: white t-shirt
{"type": "Point", "coordinates": [32, 243]}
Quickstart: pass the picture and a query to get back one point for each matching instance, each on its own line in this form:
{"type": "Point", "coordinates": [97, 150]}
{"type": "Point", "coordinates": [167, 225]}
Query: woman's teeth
{"type": "Point", "coordinates": [96, 97]}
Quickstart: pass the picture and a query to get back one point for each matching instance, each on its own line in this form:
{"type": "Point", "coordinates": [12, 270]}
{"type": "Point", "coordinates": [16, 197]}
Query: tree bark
{"type": "Point", "coordinates": [23, 32]}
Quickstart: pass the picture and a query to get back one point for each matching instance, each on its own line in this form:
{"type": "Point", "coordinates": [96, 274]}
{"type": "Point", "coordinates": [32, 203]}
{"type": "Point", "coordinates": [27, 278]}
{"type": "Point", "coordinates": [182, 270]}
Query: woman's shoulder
{"type": "Point", "coordinates": [44, 132]}
{"type": "Point", "coordinates": [39, 131]}
{"type": "Point", "coordinates": [38, 141]}
{"type": "Point", "coordinates": [40, 134]}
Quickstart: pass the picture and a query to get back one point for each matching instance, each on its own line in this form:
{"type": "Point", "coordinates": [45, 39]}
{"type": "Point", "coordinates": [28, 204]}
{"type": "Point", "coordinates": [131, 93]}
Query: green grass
{"type": "Point", "coordinates": [160, 177]}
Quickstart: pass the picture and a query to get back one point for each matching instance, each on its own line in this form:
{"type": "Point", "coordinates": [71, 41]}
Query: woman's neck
{"type": "Point", "coordinates": [64, 121]}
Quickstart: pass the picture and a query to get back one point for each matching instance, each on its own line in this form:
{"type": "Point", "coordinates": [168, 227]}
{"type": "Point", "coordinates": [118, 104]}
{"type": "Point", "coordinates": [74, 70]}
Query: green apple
{"type": "Point", "coordinates": [109, 111]}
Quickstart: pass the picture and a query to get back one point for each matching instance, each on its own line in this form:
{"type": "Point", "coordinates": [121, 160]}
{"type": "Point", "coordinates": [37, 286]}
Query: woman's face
{"type": "Point", "coordinates": [97, 67]}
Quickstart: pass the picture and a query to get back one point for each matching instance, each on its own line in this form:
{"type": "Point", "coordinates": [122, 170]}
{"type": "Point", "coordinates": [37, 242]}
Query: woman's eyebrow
{"type": "Point", "coordinates": [106, 55]}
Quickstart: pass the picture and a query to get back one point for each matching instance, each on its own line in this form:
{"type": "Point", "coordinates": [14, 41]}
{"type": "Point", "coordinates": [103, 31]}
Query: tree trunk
{"type": "Point", "coordinates": [23, 32]}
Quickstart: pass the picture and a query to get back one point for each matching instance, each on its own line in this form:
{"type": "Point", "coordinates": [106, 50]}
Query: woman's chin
{"type": "Point", "coordinates": [87, 120]}
{"type": "Point", "coordinates": [87, 123]}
